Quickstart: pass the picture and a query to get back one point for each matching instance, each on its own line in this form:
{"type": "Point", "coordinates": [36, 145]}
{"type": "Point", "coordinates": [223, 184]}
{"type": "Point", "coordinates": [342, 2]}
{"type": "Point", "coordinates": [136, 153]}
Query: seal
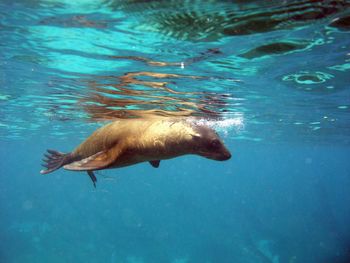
{"type": "Point", "coordinates": [131, 141]}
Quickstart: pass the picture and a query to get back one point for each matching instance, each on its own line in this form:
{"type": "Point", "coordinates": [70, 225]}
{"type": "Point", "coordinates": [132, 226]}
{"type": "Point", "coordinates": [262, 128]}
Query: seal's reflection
{"type": "Point", "coordinates": [211, 52]}
{"type": "Point", "coordinates": [144, 93]}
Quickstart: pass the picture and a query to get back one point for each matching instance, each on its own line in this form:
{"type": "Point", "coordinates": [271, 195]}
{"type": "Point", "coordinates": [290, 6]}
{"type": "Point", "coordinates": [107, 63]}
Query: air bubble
{"type": "Point", "coordinates": [307, 78]}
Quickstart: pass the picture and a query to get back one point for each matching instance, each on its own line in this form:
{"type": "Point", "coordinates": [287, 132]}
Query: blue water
{"type": "Point", "coordinates": [271, 76]}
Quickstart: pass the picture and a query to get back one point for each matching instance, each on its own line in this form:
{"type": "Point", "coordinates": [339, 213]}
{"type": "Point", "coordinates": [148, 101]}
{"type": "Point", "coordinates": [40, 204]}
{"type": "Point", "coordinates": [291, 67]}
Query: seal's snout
{"type": "Point", "coordinates": [226, 156]}
{"type": "Point", "coordinates": [223, 156]}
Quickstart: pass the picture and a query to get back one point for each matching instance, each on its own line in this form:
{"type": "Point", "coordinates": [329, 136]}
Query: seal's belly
{"type": "Point", "coordinates": [131, 158]}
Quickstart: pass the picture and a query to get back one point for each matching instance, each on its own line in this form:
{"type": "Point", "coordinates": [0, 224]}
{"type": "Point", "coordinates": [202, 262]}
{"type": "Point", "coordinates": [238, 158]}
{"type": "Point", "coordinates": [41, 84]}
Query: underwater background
{"type": "Point", "coordinates": [271, 76]}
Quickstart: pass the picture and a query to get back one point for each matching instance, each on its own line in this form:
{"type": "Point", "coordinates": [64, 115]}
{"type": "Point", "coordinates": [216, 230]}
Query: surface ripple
{"type": "Point", "coordinates": [279, 69]}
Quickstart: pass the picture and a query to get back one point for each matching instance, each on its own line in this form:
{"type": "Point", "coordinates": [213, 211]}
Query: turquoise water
{"type": "Point", "coordinates": [271, 76]}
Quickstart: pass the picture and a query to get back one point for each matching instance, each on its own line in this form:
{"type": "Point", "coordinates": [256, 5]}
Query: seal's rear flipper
{"type": "Point", "coordinates": [54, 161]}
{"type": "Point", "coordinates": [97, 161]}
{"type": "Point", "coordinates": [92, 177]}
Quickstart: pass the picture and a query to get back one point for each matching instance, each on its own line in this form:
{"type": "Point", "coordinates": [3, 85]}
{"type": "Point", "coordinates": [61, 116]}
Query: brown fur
{"type": "Point", "coordinates": [142, 140]}
{"type": "Point", "coordinates": [127, 142]}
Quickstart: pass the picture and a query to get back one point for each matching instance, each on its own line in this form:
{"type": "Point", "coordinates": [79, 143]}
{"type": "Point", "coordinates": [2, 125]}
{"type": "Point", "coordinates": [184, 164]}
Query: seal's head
{"type": "Point", "coordinates": [207, 143]}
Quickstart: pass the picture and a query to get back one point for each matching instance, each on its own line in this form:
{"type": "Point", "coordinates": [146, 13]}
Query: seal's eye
{"type": "Point", "coordinates": [215, 144]}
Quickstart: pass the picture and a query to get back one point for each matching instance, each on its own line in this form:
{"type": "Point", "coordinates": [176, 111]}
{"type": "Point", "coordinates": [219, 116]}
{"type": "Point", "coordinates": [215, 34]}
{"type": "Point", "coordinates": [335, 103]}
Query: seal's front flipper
{"type": "Point", "coordinates": [97, 161]}
{"type": "Point", "coordinates": [54, 160]}
{"type": "Point", "coordinates": [92, 177]}
{"type": "Point", "coordinates": [155, 163]}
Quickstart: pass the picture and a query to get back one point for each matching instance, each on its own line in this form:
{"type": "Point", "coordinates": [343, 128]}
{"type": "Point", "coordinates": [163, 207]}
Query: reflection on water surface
{"type": "Point", "coordinates": [280, 66]}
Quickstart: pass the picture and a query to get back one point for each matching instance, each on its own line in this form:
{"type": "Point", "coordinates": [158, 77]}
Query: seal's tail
{"type": "Point", "coordinates": [54, 160]}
